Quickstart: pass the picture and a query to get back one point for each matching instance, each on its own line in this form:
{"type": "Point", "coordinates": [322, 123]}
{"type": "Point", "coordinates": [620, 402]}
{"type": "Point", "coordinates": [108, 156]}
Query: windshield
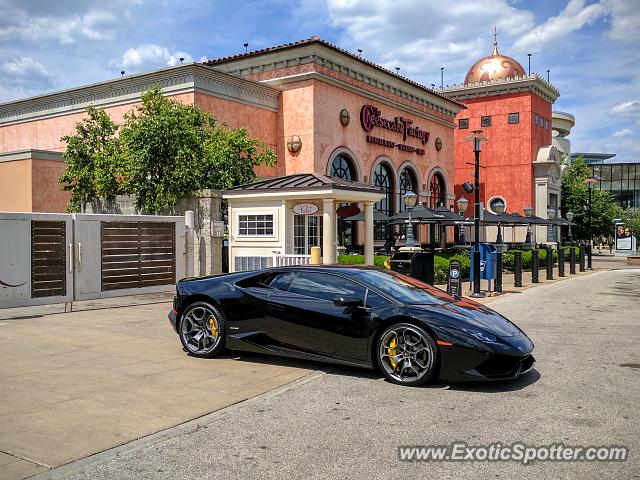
{"type": "Point", "coordinates": [405, 289]}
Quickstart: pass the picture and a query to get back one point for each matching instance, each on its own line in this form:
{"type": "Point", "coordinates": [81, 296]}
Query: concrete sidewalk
{"type": "Point", "coordinates": [74, 384]}
{"type": "Point", "coordinates": [600, 262]}
{"type": "Point", "coordinates": [78, 383]}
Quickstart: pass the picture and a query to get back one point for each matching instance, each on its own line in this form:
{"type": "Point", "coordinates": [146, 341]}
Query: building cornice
{"type": "Point", "coordinates": [320, 54]}
{"type": "Point", "coordinates": [31, 154]}
{"type": "Point", "coordinates": [192, 77]}
{"type": "Point", "coordinates": [359, 91]}
{"type": "Point", "coordinates": [528, 83]}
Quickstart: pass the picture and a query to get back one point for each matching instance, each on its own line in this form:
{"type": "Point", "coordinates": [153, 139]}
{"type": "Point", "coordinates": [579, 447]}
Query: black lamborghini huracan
{"type": "Point", "coordinates": [353, 315]}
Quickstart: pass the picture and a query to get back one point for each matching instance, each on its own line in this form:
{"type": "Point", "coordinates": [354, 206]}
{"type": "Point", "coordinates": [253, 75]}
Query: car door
{"type": "Point", "coordinates": [303, 316]}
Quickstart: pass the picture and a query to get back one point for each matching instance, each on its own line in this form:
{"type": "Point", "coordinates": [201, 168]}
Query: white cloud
{"type": "Point", "coordinates": [625, 20]}
{"type": "Point", "coordinates": [575, 16]}
{"type": "Point", "coordinates": [627, 109]}
{"type": "Point", "coordinates": [420, 36]}
{"type": "Point", "coordinates": [149, 56]}
{"type": "Point", "coordinates": [625, 132]}
{"type": "Point", "coordinates": [24, 74]}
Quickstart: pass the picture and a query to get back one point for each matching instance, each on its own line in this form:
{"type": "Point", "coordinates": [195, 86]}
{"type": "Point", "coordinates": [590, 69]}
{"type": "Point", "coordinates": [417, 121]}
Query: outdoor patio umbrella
{"type": "Point", "coordinates": [419, 214]}
{"type": "Point", "coordinates": [377, 216]}
{"type": "Point", "coordinates": [447, 217]}
{"type": "Point", "coordinates": [535, 220]}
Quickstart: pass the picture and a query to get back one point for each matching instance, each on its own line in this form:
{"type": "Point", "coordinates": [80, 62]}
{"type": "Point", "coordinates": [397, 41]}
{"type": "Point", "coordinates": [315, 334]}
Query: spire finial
{"type": "Point", "coordinates": [495, 41]}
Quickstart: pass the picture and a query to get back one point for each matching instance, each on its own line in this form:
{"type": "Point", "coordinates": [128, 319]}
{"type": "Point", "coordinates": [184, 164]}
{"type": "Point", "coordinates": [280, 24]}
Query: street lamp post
{"type": "Point", "coordinates": [498, 207]}
{"type": "Point", "coordinates": [590, 182]}
{"type": "Point", "coordinates": [569, 217]}
{"type": "Point", "coordinates": [462, 203]}
{"type": "Point", "coordinates": [477, 138]}
{"type": "Point", "coordinates": [528, 212]}
{"type": "Point", "coordinates": [410, 200]}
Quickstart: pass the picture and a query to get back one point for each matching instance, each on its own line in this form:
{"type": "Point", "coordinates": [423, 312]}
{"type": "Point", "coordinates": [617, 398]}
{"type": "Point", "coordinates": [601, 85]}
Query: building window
{"type": "Point", "coordinates": [408, 183]}
{"type": "Point", "coordinates": [546, 124]}
{"type": "Point", "coordinates": [541, 121]}
{"type": "Point", "coordinates": [514, 118]}
{"type": "Point", "coordinates": [255, 225]}
{"type": "Point", "coordinates": [494, 201]}
{"type": "Point", "coordinates": [383, 178]}
{"type": "Point", "coordinates": [307, 233]}
{"type": "Point", "coordinates": [485, 121]}
{"type": "Point", "coordinates": [536, 119]}
{"type": "Point", "coordinates": [437, 191]}
{"type": "Point", "coordinates": [437, 197]}
{"type": "Point", "coordinates": [342, 167]}
{"type": "Point", "coordinates": [463, 123]}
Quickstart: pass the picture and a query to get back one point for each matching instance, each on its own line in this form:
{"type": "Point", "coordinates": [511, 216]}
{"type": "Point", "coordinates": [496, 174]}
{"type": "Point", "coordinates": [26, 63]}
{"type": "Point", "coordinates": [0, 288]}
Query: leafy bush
{"type": "Point", "coordinates": [440, 264]}
{"type": "Point", "coordinates": [508, 258]}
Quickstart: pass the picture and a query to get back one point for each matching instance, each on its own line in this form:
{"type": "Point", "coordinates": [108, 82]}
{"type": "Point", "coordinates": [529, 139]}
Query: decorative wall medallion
{"type": "Point", "coordinates": [438, 144]}
{"type": "Point", "coordinates": [344, 117]}
{"type": "Point", "coordinates": [294, 144]}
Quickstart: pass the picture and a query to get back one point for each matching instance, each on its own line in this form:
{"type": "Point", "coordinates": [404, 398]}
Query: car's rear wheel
{"type": "Point", "coordinates": [407, 355]}
{"type": "Point", "coordinates": [202, 329]}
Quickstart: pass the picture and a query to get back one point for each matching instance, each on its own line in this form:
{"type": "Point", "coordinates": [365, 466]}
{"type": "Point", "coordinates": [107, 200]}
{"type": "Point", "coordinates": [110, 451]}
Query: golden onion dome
{"type": "Point", "coordinates": [494, 66]}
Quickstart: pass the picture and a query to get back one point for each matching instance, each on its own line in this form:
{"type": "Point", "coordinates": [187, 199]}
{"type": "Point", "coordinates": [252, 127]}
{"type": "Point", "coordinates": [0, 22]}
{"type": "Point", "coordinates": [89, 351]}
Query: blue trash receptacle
{"type": "Point", "coordinates": [488, 263]}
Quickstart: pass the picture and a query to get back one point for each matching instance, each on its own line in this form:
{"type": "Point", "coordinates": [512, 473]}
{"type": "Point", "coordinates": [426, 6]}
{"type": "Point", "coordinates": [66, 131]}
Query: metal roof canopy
{"type": "Point", "coordinates": [307, 186]}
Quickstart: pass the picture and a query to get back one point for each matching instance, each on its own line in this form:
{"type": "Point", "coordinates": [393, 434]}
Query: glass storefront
{"type": "Point", "coordinates": [621, 179]}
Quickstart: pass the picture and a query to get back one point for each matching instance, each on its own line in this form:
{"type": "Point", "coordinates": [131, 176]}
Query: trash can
{"type": "Point", "coordinates": [418, 265]}
{"type": "Point", "coordinates": [488, 263]}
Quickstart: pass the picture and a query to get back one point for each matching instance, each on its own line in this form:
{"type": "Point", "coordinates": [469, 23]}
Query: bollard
{"type": "Point", "coordinates": [517, 267]}
{"type": "Point", "coordinates": [549, 263]}
{"type": "Point", "coordinates": [572, 260]}
{"type": "Point", "coordinates": [561, 262]}
{"type": "Point", "coordinates": [535, 275]}
{"type": "Point", "coordinates": [589, 255]}
{"type": "Point", "coordinates": [582, 257]}
{"type": "Point", "coordinates": [498, 281]}
{"type": "Point", "coordinates": [315, 256]}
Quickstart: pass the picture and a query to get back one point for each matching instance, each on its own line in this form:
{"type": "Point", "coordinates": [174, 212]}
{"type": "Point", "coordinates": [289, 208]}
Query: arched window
{"type": "Point", "coordinates": [408, 183]}
{"type": "Point", "coordinates": [382, 177]}
{"type": "Point", "coordinates": [342, 167]}
{"type": "Point", "coordinates": [437, 191]}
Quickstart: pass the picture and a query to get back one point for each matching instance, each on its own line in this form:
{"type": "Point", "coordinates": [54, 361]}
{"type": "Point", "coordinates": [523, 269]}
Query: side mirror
{"type": "Point", "coordinates": [347, 302]}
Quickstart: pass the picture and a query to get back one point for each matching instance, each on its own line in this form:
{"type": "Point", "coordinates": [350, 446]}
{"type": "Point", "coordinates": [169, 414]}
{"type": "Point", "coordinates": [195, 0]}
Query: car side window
{"type": "Point", "coordinates": [374, 300]}
{"type": "Point", "coordinates": [325, 286]}
{"type": "Point", "coordinates": [282, 281]}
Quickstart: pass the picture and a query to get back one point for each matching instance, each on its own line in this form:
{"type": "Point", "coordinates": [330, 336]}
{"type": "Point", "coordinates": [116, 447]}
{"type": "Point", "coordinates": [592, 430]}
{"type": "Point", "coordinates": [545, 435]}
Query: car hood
{"type": "Point", "coordinates": [465, 313]}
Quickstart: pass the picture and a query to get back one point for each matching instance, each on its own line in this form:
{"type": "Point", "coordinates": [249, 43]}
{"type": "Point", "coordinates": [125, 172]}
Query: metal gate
{"type": "Point", "coordinates": [126, 254]}
{"type": "Point", "coordinates": [35, 259]}
{"type": "Point", "coordinates": [58, 258]}
{"type": "Point", "coordinates": [137, 254]}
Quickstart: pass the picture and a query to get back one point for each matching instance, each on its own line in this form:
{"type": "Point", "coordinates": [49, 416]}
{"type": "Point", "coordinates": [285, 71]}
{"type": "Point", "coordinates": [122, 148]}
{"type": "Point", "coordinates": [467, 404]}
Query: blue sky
{"type": "Point", "coordinates": [590, 47]}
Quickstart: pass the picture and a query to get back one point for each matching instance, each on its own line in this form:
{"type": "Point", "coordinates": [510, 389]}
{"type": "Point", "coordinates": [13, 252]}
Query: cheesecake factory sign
{"type": "Point", "coordinates": [371, 117]}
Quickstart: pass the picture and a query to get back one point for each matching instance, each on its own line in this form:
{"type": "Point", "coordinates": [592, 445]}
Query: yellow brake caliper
{"type": "Point", "coordinates": [213, 325]}
{"type": "Point", "coordinates": [391, 351]}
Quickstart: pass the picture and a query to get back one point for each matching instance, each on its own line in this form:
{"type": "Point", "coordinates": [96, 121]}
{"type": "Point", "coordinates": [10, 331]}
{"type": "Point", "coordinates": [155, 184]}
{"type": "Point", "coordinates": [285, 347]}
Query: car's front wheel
{"type": "Point", "coordinates": [407, 355]}
{"type": "Point", "coordinates": [202, 329]}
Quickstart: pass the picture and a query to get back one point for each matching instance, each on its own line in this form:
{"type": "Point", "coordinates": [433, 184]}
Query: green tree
{"type": "Point", "coordinates": [631, 220]}
{"type": "Point", "coordinates": [575, 197]}
{"type": "Point", "coordinates": [91, 161]}
{"type": "Point", "coordinates": [164, 150]}
{"type": "Point", "coordinates": [169, 149]}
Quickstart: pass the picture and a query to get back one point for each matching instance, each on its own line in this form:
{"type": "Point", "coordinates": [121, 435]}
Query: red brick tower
{"type": "Point", "coordinates": [513, 110]}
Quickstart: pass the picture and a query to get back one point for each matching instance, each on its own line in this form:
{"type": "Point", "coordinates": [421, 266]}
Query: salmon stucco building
{"type": "Point", "coordinates": [323, 110]}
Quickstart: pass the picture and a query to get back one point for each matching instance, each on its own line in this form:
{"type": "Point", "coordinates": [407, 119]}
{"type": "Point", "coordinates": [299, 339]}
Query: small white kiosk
{"type": "Point", "coordinates": [276, 221]}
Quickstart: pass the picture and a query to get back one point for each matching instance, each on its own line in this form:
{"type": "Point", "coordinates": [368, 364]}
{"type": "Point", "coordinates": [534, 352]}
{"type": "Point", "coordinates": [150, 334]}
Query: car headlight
{"type": "Point", "coordinates": [482, 336]}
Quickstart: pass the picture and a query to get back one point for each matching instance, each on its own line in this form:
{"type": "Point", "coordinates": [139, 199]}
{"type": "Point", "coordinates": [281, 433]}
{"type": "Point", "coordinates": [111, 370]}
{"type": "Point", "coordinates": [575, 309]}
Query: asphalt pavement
{"type": "Point", "coordinates": [348, 423]}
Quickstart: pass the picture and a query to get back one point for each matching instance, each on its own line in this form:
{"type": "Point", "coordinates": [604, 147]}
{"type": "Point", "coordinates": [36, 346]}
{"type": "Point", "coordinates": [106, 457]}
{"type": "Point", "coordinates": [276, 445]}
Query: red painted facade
{"type": "Point", "coordinates": [511, 149]}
